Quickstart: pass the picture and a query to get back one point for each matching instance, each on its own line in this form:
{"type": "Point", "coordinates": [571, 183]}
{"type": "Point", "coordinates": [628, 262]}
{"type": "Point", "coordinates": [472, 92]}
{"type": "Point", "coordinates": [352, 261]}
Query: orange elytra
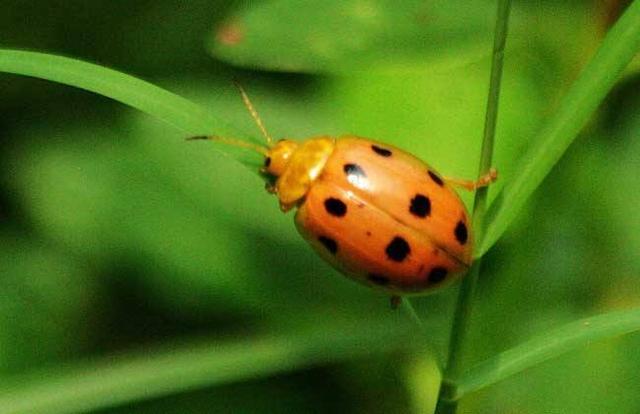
{"type": "Point", "coordinates": [375, 212]}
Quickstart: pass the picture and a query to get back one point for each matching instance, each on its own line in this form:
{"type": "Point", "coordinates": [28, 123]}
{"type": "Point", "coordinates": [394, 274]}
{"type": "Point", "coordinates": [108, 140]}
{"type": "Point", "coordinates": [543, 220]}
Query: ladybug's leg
{"type": "Point", "coordinates": [395, 301]}
{"type": "Point", "coordinates": [271, 189]}
{"type": "Point", "coordinates": [469, 185]}
{"type": "Point", "coordinates": [284, 207]}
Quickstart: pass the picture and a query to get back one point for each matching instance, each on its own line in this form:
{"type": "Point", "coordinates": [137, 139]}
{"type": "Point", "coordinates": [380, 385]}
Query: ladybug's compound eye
{"type": "Point", "coordinates": [278, 157]}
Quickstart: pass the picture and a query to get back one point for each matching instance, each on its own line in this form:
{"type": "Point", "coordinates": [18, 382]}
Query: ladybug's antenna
{"type": "Point", "coordinates": [254, 114]}
{"type": "Point", "coordinates": [235, 142]}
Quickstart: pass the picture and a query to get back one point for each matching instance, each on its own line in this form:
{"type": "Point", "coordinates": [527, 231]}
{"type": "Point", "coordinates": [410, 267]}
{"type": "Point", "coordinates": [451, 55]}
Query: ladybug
{"type": "Point", "coordinates": [376, 213]}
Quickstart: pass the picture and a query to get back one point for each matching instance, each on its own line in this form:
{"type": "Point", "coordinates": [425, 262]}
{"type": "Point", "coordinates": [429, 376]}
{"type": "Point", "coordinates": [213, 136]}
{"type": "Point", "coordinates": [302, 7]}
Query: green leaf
{"type": "Point", "coordinates": [546, 346]}
{"type": "Point", "coordinates": [144, 96]}
{"type": "Point", "coordinates": [347, 35]}
{"type": "Point", "coordinates": [598, 77]}
{"type": "Point", "coordinates": [181, 367]}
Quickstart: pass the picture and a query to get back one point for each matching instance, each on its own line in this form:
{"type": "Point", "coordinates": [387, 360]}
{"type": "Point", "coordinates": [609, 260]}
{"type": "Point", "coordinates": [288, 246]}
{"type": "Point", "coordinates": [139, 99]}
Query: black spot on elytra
{"type": "Point", "coordinates": [329, 243]}
{"type": "Point", "coordinates": [378, 279]}
{"type": "Point", "coordinates": [354, 169]}
{"type": "Point", "coordinates": [335, 207]}
{"type": "Point", "coordinates": [420, 206]}
{"type": "Point", "coordinates": [437, 275]}
{"type": "Point", "coordinates": [461, 232]}
{"type": "Point", "coordinates": [267, 162]}
{"type": "Point", "coordinates": [398, 249]}
{"type": "Point", "coordinates": [355, 175]}
{"type": "Point", "coordinates": [436, 179]}
{"type": "Point", "coordinates": [381, 151]}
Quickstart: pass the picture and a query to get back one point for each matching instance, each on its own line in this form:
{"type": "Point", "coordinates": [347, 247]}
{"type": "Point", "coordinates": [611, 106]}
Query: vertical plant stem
{"type": "Point", "coordinates": [453, 369]}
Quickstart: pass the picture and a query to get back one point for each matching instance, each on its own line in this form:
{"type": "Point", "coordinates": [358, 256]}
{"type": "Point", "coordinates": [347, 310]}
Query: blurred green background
{"type": "Point", "coordinates": [118, 238]}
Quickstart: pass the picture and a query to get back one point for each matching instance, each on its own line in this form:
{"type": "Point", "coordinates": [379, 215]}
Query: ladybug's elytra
{"type": "Point", "coordinates": [375, 212]}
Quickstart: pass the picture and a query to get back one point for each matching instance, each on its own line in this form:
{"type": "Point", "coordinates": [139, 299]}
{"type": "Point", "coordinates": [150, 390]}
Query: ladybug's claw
{"type": "Point", "coordinates": [488, 178]}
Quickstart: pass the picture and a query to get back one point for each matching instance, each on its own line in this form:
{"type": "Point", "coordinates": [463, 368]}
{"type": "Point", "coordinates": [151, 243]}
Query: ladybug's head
{"type": "Point", "coordinates": [278, 156]}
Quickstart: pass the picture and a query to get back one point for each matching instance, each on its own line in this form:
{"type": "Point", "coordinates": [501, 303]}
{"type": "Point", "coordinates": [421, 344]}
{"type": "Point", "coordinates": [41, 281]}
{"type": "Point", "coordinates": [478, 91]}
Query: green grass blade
{"type": "Point", "coordinates": [118, 380]}
{"type": "Point", "coordinates": [551, 344]}
{"type": "Point", "coordinates": [464, 305]}
{"type": "Point", "coordinates": [598, 77]}
{"type": "Point", "coordinates": [144, 96]}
